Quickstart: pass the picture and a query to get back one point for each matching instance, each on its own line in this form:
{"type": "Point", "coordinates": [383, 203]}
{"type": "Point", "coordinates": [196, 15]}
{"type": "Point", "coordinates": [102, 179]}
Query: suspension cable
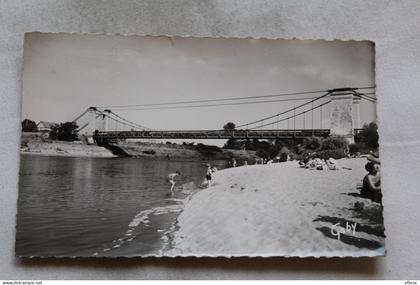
{"type": "Point", "coordinates": [294, 116]}
{"type": "Point", "coordinates": [287, 111]}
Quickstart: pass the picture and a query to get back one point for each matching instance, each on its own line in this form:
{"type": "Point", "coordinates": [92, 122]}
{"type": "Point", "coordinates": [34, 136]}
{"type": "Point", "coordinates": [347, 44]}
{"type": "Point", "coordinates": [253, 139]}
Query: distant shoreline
{"type": "Point", "coordinates": [27, 153]}
{"type": "Point", "coordinates": [183, 152]}
{"type": "Point", "coordinates": [40, 144]}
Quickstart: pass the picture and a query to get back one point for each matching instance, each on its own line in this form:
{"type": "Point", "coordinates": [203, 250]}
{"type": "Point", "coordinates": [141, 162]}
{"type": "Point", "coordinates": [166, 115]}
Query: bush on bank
{"type": "Point", "coordinates": [208, 149]}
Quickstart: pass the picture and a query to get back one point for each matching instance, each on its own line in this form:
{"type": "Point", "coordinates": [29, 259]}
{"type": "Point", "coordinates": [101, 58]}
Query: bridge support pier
{"type": "Point", "coordinates": [91, 124]}
{"type": "Point", "coordinates": [92, 119]}
{"type": "Point", "coordinates": [341, 116]}
{"type": "Point", "coordinates": [356, 112]}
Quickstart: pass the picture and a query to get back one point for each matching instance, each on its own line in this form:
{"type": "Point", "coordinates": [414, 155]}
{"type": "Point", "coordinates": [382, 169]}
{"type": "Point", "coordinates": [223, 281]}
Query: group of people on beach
{"type": "Point", "coordinates": [310, 161]}
{"type": "Point", "coordinates": [371, 185]}
{"type": "Point", "coordinates": [233, 163]}
{"type": "Point", "coordinates": [206, 183]}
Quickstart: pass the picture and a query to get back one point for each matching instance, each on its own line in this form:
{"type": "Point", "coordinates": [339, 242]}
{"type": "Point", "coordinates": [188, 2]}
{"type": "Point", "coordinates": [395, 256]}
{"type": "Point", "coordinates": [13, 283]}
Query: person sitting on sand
{"type": "Point", "coordinates": [332, 164]}
{"type": "Point", "coordinates": [304, 161]}
{"type": "Point", "coordinates": [320, 164]}
{"type": "Point", "coordinates": [373, 156]}
{"type": "Point", "coordinates": [371, 188]}
{"type": "Point", "coordinates": [315, 163]}
{"type": "Point", "coordinates": [170, 178]}
{"type": "Point", "coordinates": [310, 164]}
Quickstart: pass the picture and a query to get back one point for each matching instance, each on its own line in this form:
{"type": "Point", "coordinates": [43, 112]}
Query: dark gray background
{"type": "Point", "coordinates": [393, 25]}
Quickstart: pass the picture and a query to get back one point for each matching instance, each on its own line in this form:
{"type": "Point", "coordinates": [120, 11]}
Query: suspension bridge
{"type": "Point", "coordinates": [341, 106]}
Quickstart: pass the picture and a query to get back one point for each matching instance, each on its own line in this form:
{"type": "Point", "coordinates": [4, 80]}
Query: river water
{"type": "Point", "coordinates": [72, 206]}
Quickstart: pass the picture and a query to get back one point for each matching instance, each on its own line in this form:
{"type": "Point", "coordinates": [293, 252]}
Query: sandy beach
{"type": "Point", "coordinates": [280, 210]}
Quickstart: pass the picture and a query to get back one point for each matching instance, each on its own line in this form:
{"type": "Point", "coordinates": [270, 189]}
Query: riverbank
{"type": "Point", "coordinates": [184, 152]}
{"type": "Point", "coordinates": [279, 210]}
{"type": "Point", "coordinates": [39, 144]}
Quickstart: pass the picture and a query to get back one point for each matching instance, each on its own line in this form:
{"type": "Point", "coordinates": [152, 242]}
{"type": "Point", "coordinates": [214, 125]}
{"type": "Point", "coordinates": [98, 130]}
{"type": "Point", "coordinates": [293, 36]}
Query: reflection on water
{"type": "Point", "coordinates": [80, 206]}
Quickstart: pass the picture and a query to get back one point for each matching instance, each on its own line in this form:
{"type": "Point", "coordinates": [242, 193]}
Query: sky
{"type": "Point", "coordinates": [64, 74]}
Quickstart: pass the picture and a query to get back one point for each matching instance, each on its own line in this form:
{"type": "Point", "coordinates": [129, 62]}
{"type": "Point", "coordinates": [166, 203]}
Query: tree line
{"type": "Point", "coordinates": [336, 147]}
{"type": "Point", "coordinates": [63, 132]}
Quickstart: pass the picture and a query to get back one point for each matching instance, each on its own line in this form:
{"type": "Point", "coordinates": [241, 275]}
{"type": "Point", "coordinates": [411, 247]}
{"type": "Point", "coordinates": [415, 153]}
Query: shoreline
{"type": "Point", "coordinates": [168, 236]}
{"type": "Point", "coordinates": [27, 153]}
{"type": "Point", "coordinates": [40, 144]}
{"type": "Point", "coordinates": [144, 218]}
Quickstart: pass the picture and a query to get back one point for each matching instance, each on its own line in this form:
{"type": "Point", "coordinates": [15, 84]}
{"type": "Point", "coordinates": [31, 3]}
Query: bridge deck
{"type": "Point", "coordinates": [211, 134]}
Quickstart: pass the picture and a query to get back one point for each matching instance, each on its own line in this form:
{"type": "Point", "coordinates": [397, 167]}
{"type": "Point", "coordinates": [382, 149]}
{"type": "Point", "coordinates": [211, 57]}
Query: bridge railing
{"type": "Point", "coordinates": [211, 134]}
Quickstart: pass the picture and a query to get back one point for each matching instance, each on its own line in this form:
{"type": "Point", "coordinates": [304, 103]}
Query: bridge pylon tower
{"type": "Point", "coordinates": [344, 113]}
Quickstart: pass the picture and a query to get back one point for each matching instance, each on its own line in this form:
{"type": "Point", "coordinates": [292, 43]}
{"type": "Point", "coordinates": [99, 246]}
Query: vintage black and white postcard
{"type": "Point", "coordinates": [170, 146]}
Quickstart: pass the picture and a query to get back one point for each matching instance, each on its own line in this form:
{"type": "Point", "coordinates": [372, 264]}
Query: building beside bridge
{"type": "Point", "coordinates": [44, 126]}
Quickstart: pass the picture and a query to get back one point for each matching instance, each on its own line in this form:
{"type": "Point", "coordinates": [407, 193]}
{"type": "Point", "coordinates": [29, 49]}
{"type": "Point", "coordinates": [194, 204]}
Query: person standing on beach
{"type": "Point", "coordinates": [171, 179]}
{"type": "Point", "coordinates": [208, 174]}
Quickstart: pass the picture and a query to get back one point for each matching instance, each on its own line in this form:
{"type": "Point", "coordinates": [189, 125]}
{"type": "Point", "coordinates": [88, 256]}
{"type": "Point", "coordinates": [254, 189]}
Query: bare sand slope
{"type": "Point", "coordinates": [59, 148]}
{"type": "Point", "coordinates": [277, 209]}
